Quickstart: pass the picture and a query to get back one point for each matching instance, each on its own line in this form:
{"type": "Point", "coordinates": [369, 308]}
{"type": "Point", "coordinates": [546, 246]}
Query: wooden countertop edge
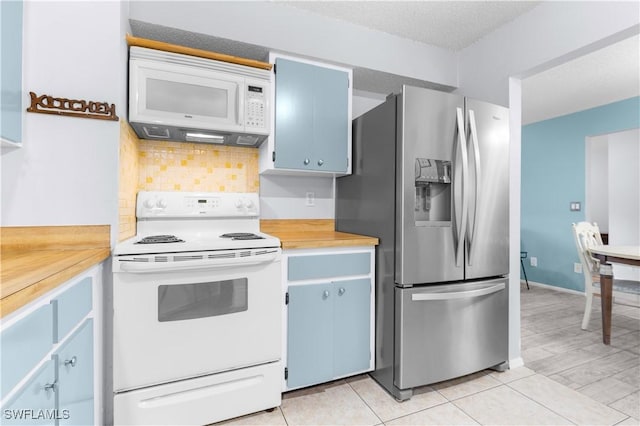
{"type": "Point", "coordinates": [302, 244]}
{"type": "Point", "coordinates": [324, 240]}
{"type": "Point", "coordinates": [14, 301]}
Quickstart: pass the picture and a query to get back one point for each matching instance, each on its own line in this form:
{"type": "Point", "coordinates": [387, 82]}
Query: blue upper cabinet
{"type": "Point", "coordinates": [312, 118]}
{"type": "Point", "coordinates": [11, 63]}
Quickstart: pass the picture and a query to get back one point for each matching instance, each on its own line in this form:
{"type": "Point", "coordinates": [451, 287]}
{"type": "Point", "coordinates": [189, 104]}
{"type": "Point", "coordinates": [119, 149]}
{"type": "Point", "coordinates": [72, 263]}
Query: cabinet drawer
{"type": "Point", "coordinates": [24, 344]}
{"type": "Point", "coordinates": [36, 401]}
{"type": "Point", "coordinates": [72, 306]}
{"type": "Point", "coordinates": [328, 265]}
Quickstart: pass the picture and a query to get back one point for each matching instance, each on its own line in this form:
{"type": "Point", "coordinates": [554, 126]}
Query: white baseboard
{"type": "Point", "coordinates": [515, 363]}
{"type": "Point", "coordinates": [618, 297]}
{"type": "Point", "coordinates": [553, 287]}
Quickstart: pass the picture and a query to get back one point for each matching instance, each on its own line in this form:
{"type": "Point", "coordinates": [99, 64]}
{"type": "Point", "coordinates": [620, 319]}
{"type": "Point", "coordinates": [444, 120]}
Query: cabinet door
{"type": "Point", "coordinates": [311, 117]}
{"type": "Point", "coordinates": [23, 346]}
{"type": "Point", "coordinates": [309, 335]}
{"type": "Point", "coordinates": [11, 59]}
{"type": "Point", "coordinates": [35, 404]}
{"type": "Point", "coordinates": [330, 119]}
{"type": "Point", "coordinates": [351, 326]}
{"type": "Point", "coordinates": [75, 376]}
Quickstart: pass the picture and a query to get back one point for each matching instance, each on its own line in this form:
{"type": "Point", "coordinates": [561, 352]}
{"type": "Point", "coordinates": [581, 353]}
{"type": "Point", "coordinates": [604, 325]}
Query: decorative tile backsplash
{"type": "Point", "coordinates": [179, 166]}
{"type": "Point", "coordinates": [128, 181]}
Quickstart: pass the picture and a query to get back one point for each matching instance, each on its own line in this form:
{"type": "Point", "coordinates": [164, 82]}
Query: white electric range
{"type": "Point", "coordinates": [196, 311]}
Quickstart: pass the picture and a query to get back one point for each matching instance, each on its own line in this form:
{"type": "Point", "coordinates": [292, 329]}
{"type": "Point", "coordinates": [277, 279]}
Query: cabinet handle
{"type": "Point", "coordinates": [72, 362]}
{"type": "Point", "coordinates": [325, 294]}
{"type": "Point", "coordinates": [306, 161]}
{"type": "Point", "coordinates": [50, 387]}
{"type": "Point", "coordinates": [320, 162]}
{"type": "Point", "coordinates": [341, 291]}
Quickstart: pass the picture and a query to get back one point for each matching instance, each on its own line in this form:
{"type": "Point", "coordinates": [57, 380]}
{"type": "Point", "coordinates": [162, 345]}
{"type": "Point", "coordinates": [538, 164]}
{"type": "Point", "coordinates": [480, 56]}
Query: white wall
{"type": "Point", "coordinates": [66, 171]}
{"type": "Point", "coordinates": [548, 35]}
{"type": "Point", "coordinates": [597, 181]}
{"type": "Point", "coordinates": [624, 195]}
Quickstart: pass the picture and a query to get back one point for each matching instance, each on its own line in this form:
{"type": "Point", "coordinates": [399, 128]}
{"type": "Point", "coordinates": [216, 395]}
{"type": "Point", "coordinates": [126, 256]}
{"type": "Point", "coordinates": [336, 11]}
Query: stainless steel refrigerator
{"type": "Point", "coordinates": [431, 181]}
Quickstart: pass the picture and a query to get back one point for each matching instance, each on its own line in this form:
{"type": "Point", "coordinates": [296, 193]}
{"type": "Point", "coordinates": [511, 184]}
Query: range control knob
{"type": "Point", "coordinates": [239, 203]}
{"type": "Point", "coordinates": [161, 203]}
{"type": "Point", "coordinates": [148, 204]}
{"type": "Point", "coordinates": [249, 204]}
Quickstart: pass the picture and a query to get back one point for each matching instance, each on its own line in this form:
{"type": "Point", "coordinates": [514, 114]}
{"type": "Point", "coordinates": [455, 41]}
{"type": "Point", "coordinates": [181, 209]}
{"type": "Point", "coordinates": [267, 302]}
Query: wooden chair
{"type": "Point", "coordinates": [587, 235]}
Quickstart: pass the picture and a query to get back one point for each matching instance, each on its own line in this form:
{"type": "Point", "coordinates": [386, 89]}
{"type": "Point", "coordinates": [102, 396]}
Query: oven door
{"type": "Point", "coordinates": [175, 324]}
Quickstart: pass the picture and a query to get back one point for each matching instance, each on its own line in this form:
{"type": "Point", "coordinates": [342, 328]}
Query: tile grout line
{"type": "Point", "coordinates": [537, 402]}
{"type": "Point", "coordinates": [365, 402]}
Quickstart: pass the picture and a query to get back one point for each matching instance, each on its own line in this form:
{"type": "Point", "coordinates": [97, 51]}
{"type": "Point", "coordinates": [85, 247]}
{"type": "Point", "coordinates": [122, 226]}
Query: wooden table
{"type": "Point", "coordinates": [629, 255]}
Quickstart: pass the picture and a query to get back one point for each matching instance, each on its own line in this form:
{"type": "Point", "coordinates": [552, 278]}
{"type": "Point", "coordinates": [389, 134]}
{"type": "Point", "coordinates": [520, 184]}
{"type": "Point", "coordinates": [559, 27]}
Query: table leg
{"type": "Point", "coordinates": [606, 296]}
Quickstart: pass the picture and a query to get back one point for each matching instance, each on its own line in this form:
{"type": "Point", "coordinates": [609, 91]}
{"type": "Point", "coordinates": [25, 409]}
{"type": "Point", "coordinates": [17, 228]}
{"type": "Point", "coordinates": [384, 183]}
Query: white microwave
{"type": "Point", "coordinates": [184, 98]}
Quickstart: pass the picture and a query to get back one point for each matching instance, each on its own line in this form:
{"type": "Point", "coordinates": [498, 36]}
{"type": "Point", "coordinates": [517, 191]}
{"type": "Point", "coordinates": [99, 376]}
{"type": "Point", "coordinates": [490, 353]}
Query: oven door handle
{"type": "Point", "coordinates": [149, 267]}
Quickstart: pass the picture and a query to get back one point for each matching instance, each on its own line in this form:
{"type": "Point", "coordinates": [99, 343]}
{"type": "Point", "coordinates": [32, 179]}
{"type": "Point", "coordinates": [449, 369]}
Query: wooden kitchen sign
{"type": "Point", "coordinates": [45, 104]}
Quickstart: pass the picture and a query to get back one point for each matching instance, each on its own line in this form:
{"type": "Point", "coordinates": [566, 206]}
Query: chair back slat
{"type": "Point", "coordinates": [586, 236]}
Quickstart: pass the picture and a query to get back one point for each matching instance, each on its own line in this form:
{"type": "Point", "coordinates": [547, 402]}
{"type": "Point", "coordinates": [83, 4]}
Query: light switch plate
{"type": "Point", "coordinates": [574, 206]}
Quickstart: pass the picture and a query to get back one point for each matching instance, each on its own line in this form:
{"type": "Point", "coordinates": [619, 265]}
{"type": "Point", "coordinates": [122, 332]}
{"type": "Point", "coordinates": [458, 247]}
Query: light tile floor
{"type": "Point", "coordinates": [569, 377]}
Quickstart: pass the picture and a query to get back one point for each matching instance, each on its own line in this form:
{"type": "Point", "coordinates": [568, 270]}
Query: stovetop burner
{"type": "Point", "coordinates": [242, 236]}
{"type": "Point", "coordinates": [160, 239]}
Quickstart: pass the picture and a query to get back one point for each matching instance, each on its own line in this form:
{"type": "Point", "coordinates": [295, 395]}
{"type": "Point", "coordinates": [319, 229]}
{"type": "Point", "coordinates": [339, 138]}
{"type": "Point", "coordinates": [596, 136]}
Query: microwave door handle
{"type": "Point", "coordinates": [240, 104]}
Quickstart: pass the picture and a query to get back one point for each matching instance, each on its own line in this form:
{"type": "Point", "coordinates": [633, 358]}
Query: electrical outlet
{"type": "Point", "coordinates": [311, 199]}
{"type": "Point", "coordinates": [533, 261]}
{"type": "Point", "coordinates": [577, 268]}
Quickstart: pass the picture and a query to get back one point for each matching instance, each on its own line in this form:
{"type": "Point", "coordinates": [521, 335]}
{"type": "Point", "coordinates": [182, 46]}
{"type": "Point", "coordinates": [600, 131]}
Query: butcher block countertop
{"type": "Point", "coordinates": [37, 259]}
{"type": "Point", "coordinates": [312, 233]}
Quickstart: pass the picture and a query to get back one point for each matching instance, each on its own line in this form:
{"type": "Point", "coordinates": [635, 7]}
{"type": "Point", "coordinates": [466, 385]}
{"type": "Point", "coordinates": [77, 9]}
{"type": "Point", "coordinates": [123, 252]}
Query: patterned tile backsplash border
{"type": "Point", "coordinates": [179, 166]}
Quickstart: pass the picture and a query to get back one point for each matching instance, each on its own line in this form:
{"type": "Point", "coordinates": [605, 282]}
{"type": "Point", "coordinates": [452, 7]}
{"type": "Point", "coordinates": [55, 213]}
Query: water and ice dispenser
{"type": "Point", "coordinates": [433, 192]}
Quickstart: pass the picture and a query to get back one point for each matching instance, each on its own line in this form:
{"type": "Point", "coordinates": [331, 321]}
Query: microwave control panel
{"type": "Point", "coordinates": [256, 107]}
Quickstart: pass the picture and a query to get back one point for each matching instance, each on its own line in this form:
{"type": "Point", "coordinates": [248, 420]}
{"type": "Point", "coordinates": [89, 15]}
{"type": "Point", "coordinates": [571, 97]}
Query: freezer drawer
{"type": "Point", "coordinates": [447, 331]}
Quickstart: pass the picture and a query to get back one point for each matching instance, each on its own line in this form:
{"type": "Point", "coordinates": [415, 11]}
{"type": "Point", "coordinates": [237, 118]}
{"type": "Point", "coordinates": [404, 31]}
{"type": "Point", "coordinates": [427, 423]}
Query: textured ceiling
{"type": "Point", "coordinates": [598, 78]}
{"type": "Point", "coordinates": [453, 25]}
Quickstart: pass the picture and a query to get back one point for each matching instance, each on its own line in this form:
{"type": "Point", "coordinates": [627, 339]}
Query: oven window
{"type": "Point", "coordinates": [191, 301]}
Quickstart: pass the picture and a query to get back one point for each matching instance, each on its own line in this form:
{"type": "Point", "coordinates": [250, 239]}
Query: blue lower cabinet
{"type": "Point", "coordinates": [329, 327]}
{"type": "Point", "coordinates": [24, 345]}
{"type": "Point", "coordinates": [72, 306]}
{"type": "Point", "coordinates": [351, 326]}
{"type": "Point", "coordinates": [309, 335]}
{"type": "Point", "coordinates": [35, 402]}
{"type": "Point", "coordinates": [75, 377]}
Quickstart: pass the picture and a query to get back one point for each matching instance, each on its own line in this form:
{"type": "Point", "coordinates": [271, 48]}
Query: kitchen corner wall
{"type": "Point", "coordinates": [179, 166]}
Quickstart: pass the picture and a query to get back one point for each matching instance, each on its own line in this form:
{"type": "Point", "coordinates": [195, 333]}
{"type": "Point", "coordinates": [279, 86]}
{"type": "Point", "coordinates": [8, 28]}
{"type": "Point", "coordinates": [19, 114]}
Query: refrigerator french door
{"type": "Point", "coordinates": [452, 186]}
{"type": "Point", "coordinates": [431, 182]}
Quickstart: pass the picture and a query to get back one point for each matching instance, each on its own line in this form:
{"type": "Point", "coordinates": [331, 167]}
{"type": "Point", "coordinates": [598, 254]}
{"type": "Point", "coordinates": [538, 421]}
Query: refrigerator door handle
{"type": "Point", "coordinates": [459, 229]}
{"type": "Point", "coordinates": [476, 153]}
{"type": "Point", "coordinates": [458, 294]}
